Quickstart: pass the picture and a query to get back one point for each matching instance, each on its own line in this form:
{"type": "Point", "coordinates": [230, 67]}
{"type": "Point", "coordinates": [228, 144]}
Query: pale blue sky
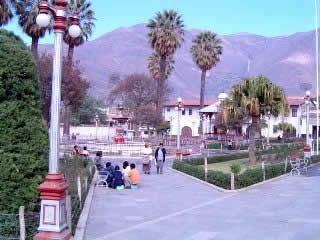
{"type": "Point", "coordinates": [268, 18]}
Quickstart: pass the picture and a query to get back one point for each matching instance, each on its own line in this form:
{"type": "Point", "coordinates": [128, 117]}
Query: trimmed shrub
{"type": "Point", "coordinates": [23, 136]}
{"type": "Point", "coordinates": [235, 168]}
{"type": "Point", "coordinates": [249, 177]}
{"type": "Point", "coordinates": [214, 146]}
{"type": "Point", "coordinates": [219, 179]}
{"type": "Point", "coordinates": [315, 158]}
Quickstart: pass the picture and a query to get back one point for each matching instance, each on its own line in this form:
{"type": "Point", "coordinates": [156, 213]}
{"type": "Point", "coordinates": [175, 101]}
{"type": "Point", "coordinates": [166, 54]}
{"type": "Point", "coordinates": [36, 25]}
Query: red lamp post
{"type": "Point", "coordinates": [53, 215]}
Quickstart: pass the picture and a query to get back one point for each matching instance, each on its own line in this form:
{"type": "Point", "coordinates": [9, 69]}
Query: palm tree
{"type": "Point", "coordinates": [206, 51]}
{"type": "Point", "coordinates": [27, 11]}
{"type": "Point", "coordinates": [165, 37]}
{"type": "Point", "coordinates": [254, 97]}
{"type": "Point", "coordinates": [6, 13]}
{"type": "Point", "coordinates": [86, 20]}
{"type": "Point", "coordinates": [154, 66]}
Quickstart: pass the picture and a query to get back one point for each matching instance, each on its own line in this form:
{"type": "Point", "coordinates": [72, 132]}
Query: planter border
{"type": "Point", "coordinates": [237, 190]}
{"type": "Point", "coordinates": [82, 222]}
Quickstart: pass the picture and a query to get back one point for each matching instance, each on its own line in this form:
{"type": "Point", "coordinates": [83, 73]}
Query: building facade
{"type": "Point", "coordinates": [190, 118]}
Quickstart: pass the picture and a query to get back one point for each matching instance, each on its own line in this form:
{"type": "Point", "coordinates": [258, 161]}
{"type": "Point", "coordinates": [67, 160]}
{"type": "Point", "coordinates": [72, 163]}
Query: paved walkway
{"type": "Point", "coordinates": [172, 206]}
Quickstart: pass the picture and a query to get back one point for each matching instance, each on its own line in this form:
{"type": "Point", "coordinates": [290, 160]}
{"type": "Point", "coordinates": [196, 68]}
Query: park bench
{"type": "Point", "coordinates": [299, 165]}
{"type": "Point", "coordinates": [102, 177]}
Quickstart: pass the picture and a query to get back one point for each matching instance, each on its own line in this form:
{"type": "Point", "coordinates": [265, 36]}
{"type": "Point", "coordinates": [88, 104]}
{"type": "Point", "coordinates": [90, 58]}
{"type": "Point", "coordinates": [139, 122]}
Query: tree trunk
{"type": "Point", "coordinates": [67, 113]}
{"type": "Point", "coordinates": [202, 91]}
{"type": "Point", "coordinates": [252, 141]}
{"type": "Point", "coordinates": [34, 48]}
{"type": "Point", "coordinates": [160, 87]}
{"type": "Point", "coordinates": [66, 121]}
{"type": "Point", "coordinates": [70, 55]}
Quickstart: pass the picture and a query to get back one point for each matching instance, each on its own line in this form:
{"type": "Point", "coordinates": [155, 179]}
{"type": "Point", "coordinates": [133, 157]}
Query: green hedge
{"type": "Point", "coordinates": [215, 146]}
{"type": "Point", "coordinates": [245, 179]}
{"type": "Point", "coordinates": [315, 158]}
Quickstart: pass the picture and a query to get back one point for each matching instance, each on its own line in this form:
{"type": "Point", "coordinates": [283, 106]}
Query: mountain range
{"type": "Point", "coordinates": [286, 60]}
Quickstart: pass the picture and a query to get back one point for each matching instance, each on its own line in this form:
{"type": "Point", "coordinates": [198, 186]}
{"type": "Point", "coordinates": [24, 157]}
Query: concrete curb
{"type": "Point", "coordinates": [238, 190]}
{"type": "Point", "coordinates": [82, 223]}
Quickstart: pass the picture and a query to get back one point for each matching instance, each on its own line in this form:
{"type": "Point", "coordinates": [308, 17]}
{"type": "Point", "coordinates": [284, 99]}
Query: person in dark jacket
{"type": "Point", "coordinates": [117, 178]}
{"type": "Point", "coordinates": [110, 169]}
{"type": "Point", "coordinates": [160, 156]}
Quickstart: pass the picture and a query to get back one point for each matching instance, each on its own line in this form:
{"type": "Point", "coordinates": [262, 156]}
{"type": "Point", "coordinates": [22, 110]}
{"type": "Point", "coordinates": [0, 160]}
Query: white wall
{"type": "Point", "coordinates": [192, 121]}
{"type": "Point", "coordinates": [90, 131]}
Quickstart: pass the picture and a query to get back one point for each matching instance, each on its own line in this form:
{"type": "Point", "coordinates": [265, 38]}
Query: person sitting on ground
{"type": "Point", "coordinates": [75, 151]}
{"type": "Point", "coordinates": [85, 152]}
{"type": "Point", "coordinates": [98, 160]}
{"type": "Point", "coordinates": [110, 169]}
{"type": "Point", "coordinates": [134, 175]}
{"type": "Point", "coordinates": [125, 174]}
{"type": "Point", "coordinates": [117, 178]}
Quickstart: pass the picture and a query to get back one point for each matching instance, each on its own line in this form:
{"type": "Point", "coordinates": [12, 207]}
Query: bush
{"type": "Point", "coordinates": [220, 179]}
{"type": "Point", "coordinates": [214, 146]}
{"type": "Point", "coordinates": [235, 168]}
{"type": "Point", "coordinates": [315, 158]}
{"type": "Point", "coordinates": [23, 136]}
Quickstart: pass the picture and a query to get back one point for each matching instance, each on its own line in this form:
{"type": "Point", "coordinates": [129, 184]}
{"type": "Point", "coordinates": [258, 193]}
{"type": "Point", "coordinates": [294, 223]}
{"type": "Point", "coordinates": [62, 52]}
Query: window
{"type": "Point", "coordinates": [168, 109]}
{"type": "Point", "coordinates": [183, 112]}
{"type": "Point", "coordinates": [294, 112]}
{"type": "Point", "coordinates": [190, 111]}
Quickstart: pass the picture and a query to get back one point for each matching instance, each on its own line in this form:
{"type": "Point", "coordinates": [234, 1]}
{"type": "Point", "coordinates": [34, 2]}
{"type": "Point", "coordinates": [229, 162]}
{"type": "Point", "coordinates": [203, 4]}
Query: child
{"type": "Point", "coordinates": [125, 174]}
{"type": "Point", "coordinates": [134, 175]}
{"type": "Point", "coordinates": [117, 178]}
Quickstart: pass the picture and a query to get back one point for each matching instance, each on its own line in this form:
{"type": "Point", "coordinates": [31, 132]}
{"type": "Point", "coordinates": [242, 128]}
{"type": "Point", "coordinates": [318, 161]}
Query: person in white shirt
{"type": "Point", "coordinates": [146, 159]}
{"type": "Point", "coordinates": [125, 174]}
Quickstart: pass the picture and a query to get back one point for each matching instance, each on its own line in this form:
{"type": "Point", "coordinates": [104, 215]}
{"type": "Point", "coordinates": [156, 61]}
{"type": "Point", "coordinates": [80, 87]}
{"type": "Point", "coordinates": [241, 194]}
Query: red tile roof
{"type": "Point", "coordinates": [191, 103]}
{"type": "Point", "coordinates": [295, 101]}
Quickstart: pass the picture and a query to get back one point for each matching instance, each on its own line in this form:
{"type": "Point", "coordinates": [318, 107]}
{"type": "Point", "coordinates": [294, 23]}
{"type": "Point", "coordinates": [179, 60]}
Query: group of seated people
{"type": "Point", "coordinates": [127, 178]}
{"type": "Point", "coordinates": [76, 151]}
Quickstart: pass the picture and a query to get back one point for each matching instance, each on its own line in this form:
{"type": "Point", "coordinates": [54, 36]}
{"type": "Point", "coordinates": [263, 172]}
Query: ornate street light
{"type": "Point", "coordinates": [97, 121]}
{"type": "Point", "coordinates": [307, 148]}
{"type": "Point", "coordinates": [53, 215]}
{"type": "Point", "coordinates": [179, 108]}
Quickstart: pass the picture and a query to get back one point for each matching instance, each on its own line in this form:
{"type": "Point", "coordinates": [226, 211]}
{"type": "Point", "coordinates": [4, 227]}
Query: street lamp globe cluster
{"type": "Point", "coordinates": [53, 191]}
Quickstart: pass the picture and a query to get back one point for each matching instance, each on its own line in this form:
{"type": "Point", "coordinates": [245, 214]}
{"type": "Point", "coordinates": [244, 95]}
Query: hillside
{"type": "Point", "coordinates": [286, 60]}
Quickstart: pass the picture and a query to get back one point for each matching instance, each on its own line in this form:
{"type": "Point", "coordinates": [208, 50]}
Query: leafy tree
{"type": "Point", "coordinates": [137, 94]}
{"type": "Point", "coordinates": [86, 112]}
{"type": "Point", "coordinates": [86, 20]}
{"type": "Point", "coordinates": [165, 37]}
{"type": "Point", "coordinates": [206, 51]}
{"type": "Point", "coordinates": [74, 88]}
{"type": "Point", "coordinates": [27, 11]}
{"type": "Point", "coordinates": [45, 77]}
{"type": "Point", "coordinates": [6, 11]}
{"type": "Point", "coordinates": [287, 128]}
{"type": "Point", "coordinates": [73, 91]}
{"type": "Point", "coordinates": [253, 98]}
{"type": "Point", "coordinates": [23, 137]}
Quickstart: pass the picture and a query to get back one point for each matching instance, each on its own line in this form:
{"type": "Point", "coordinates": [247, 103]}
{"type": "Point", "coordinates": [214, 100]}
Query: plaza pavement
{"type": "Point", "coordinates": [172, 206]}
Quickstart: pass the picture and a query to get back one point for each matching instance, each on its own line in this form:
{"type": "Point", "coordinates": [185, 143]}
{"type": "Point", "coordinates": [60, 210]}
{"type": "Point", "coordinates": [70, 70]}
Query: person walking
{"type": "Point", "coordinates": [146, 159]}
{"type": "Point", "coordinates": [160, 156]}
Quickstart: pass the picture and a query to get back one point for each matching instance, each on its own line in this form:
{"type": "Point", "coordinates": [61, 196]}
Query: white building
{"type": "Point", "coordinates": [190, 117]}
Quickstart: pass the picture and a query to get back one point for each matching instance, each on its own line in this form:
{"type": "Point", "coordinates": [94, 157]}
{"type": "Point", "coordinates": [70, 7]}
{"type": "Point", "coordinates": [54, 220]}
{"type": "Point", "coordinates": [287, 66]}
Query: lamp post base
{"type": "Point", "coordinates": [64, 235]}
{"type": "Point", "coordinates": [53, 215]}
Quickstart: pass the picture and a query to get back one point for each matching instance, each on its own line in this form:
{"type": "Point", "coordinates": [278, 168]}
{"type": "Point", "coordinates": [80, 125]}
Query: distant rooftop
{"type": "Point", "coordinates": [191, 103]}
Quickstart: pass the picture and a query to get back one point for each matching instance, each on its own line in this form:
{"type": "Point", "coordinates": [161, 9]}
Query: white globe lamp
{"type": "Point", "coordinates": [74, 31]}
{"type": "Point", "coordinates": [43, 20]}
